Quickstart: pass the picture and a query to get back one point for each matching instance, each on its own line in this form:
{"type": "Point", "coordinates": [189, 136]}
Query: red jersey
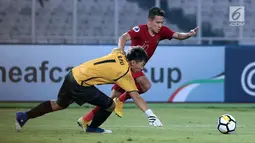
{"type": "Point", "coordinates": [140, 36]}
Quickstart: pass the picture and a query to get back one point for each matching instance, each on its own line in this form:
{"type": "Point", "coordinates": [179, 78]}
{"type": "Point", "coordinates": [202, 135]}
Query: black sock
{"type": "Point", "coordinates": [39, 110]}
{"type": "Point", "coordinates": [99, 118]}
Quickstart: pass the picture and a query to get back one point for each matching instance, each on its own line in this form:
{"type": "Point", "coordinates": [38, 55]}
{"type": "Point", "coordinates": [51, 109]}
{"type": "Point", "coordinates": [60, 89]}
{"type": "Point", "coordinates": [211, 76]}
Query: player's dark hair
{"type": "Point", "coordinates": [156, 11]}
{"type": "Point", "coordinates": [137, 54]}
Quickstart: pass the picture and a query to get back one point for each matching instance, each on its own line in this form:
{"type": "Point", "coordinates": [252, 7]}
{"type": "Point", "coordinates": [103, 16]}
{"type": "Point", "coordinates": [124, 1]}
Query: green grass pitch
{"type": "Point", "coordinates": [183, 123]}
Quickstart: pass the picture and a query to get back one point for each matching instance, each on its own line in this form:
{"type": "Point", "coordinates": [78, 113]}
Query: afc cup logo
{"type": "Point", "coordinates": [246, 79]}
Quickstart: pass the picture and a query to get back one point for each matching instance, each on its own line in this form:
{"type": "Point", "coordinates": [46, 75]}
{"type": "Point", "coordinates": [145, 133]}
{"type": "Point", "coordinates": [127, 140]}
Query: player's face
{"type": "Point", "coordinates": [136, 66]}
{"type": "Point", "coordinates": [156, 23]}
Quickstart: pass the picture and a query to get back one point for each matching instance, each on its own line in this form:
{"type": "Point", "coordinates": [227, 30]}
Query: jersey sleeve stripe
{"type": "Point", "coordinates": [122, 75]}
{"type": "Point", "coordinates": [105, 61]}
{"type": "Point", "coordinates": [132, 91]}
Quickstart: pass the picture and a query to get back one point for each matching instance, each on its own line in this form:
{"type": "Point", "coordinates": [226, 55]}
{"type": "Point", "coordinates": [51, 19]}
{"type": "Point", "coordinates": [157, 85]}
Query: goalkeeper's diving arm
{"type": "Point", "coordinates": [152, 118]}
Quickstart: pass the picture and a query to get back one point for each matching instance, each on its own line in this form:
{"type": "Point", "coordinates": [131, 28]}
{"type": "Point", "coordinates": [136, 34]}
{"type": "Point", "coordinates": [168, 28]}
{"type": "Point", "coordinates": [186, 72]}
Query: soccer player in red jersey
{"type": "Point", "coordinates": [148, 36]}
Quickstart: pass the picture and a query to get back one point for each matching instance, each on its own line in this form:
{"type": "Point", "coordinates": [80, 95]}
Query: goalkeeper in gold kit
{"type": "Point", "coordinates": [79, 87]}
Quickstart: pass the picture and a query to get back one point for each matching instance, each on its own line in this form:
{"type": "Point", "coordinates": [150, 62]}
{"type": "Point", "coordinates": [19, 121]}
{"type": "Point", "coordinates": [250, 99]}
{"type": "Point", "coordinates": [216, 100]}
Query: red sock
{"type": "Point", "coordinates": [123, 97]}
{"type": "Point", "coordinates": [90, 115]}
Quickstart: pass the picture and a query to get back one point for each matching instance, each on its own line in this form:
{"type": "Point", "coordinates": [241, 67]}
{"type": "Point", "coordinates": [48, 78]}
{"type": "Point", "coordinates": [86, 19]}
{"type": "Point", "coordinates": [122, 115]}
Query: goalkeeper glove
{"type": "Point", "coordinates": [153, 119]}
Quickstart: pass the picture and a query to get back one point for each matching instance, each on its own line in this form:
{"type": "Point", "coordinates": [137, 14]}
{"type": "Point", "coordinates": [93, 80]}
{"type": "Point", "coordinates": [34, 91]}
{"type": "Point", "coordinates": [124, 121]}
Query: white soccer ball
{"type": "Point", "coordinates": [226, 124]}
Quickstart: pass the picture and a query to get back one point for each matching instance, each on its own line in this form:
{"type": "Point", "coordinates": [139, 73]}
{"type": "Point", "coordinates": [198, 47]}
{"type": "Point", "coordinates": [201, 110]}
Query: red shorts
{"type": "Point", "coordinates": [135, 75]}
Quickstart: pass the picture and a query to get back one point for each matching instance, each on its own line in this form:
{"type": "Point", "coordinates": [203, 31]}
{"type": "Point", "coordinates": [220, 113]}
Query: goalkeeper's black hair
{"type": "Point", "coordinates": [137, 54]}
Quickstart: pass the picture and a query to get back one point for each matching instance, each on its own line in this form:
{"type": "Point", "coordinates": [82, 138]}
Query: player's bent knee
{"type": "Point", "coordinates": [111, 106]}
{"type": "Point", "coordinates": [143, 84]}
{"type": "Point", "coordinates": [144, 87]}
{"type": "Point", "coordinates": [56, 106]}
{"type": "Point", "coordinates": [147, 87]}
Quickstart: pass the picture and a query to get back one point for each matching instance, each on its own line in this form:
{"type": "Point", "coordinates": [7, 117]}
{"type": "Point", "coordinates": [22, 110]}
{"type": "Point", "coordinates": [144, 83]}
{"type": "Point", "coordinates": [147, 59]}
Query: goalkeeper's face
{"type": "Point", "coordinates": [136, 66]}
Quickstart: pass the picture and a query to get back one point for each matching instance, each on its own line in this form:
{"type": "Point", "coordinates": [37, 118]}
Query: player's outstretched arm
{"type": "Point", "coordinates": [183, 36]}
{"type": "Point", "coordinates": [152, 118]}
{"type": "Point", "coordinates": [123, 40]}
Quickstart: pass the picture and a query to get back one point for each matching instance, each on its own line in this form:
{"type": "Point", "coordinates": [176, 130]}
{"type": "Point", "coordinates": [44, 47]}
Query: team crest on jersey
{"type": "Point", "coordinates": [136, 29]}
